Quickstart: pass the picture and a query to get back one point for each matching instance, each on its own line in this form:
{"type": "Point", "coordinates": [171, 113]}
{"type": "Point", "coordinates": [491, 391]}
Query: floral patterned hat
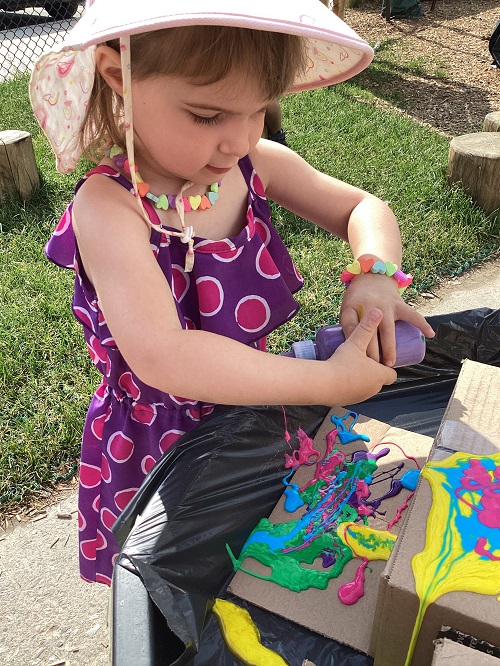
{"type": "Point", "coordinates": [62, 80]}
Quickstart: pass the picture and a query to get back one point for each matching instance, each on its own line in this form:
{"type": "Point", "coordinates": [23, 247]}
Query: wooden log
{"type": "Point", "coordinates": [491, 122]}
{"type": "Point", "coordinates": [18, 169]}
{"type": "Point", "coordinates": [474, 162]}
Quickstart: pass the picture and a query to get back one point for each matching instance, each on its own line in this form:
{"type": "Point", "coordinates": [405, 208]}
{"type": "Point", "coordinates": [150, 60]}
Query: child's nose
{"type": "Point", "coordinates": [236, 143]}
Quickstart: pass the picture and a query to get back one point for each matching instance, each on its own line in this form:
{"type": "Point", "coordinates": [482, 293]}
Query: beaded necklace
{"type": "Point", "coordinates": [165, 201]}
{"type": "Point", "coordinates": [178, 202]}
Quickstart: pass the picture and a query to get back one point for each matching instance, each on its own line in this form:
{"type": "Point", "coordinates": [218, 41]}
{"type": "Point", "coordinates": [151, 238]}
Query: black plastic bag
{"type": "Point", "coordinates": [215, 486]}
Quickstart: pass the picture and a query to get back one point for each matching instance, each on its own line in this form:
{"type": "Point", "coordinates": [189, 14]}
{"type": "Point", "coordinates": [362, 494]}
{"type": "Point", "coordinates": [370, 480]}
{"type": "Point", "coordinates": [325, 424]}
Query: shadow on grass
{"type": "Point", "coordinates": [41, 208]}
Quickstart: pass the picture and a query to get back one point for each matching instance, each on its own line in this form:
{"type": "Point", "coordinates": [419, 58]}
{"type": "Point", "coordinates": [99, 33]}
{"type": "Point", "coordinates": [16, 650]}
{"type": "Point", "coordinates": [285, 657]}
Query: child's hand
{"type": "Point", "coordinates": [360, 376]}
{"type": "Point", "coordinates": [367, 291]}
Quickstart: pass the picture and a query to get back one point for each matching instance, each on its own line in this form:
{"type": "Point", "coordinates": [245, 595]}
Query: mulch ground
{"type": "Point", "coordinates": [459, 86]}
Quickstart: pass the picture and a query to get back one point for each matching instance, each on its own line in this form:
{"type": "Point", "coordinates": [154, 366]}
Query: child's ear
{"type": "Point", "coordinates": [108, 62]}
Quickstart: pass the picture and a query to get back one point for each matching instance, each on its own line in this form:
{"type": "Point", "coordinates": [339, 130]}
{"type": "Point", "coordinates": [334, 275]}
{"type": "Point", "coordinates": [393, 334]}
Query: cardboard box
{"type": "Point", "coordinates": [321, 610]}
{"type": "Point", "coordinates": [449, 653]}
{"type": "Point", "coordinates": [471, 424]}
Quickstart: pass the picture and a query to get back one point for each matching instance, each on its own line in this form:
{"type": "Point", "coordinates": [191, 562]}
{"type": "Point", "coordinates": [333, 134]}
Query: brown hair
{"type": "Point", "coordinates": [202, 54]}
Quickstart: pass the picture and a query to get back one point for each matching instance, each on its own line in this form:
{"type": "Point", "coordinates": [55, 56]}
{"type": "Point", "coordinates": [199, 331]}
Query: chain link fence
{"type": "Point", "coordinates": [26, 31]}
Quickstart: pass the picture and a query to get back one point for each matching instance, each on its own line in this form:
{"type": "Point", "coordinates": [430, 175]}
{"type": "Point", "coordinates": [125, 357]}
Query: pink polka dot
{"type": "Point", "coordinates": [96, 351]}
{"type": "Point", "coordinates": [210, 296]}
{"type": "Point", "coordinates": [87, 549]}
{"type": "Point", "coordinates": [179, 400]}
{"type": "Point", "coordinates": [297, 274]}
{"type": "Point", "coordinates": [123, 497]}
{"type": "Point", "coordinates": [194, 414]}
{"type": "Point", "coordinates": [252, 313]}
{"type": "Point", "coordinates": [105, 471]}
{"type": "Point", "coordinates": [82, 523]}
{"type": "Point", "coordinates": [222, 250]}
{"type": "Point", "coordinates": [207, 409]}
{"type": "Point", "coordinates": [102, 391]}
{"type": "Point", "coordinates": [96, 503]}
{"type": "Point", "coordinates": [263, 230]}
{"type": "Point", "coordinates": [82, 315]}
{"type": "Point", "coordinates": [165, 240]}
{"type": "Point", "coordinates": [265, 265]}
{"type": "Point", "coordinates": [120, 447]}
{"type": "Point", "coordinates": [90, 475]}
{"type": "Point", "coordinates": [257, 186]}
{"type": "Point", "coordinates": [189, 324]}
{"type": "Point", "coordinates": [143, 413]}
{"type": "Point", "coordinates": [97, 426]}
{"type": "Point", "coordinates": [63, 223]}
{"type": "Point", "coordinates": [250, 223]}
{"type": "Point", "coordinates": [169, 438]}
{"type": "Point", "coordinates": [126, 382]}
{"type": "Point", "coordinates": [147, 464]}
{"type": "Point", "coordinates": [108, 518]}
{"type": "Point", "coordinates": [180, 282]}
{"type": "Point", "coordinates": [101, 541]}
{"type": "Point", "coordinates": [101, 578]}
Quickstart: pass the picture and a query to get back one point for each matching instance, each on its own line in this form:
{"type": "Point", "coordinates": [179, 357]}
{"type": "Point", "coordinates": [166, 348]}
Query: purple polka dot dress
{"type": "Point", "coordinates": [240, 287]}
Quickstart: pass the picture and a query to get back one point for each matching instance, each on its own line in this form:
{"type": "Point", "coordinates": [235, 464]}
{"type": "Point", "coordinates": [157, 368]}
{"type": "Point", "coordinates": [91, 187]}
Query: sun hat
{"type": "Point", "coordinates": [62, 79]}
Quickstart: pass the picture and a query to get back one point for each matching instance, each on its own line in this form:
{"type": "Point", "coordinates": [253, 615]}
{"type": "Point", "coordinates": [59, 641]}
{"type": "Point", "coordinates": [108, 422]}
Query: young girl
{"type": "Point", "coordinates": [175, 319]}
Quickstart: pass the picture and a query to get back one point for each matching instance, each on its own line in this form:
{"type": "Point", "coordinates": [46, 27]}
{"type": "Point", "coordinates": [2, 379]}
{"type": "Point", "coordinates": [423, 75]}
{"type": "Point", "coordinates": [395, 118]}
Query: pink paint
{"type": "Point", "coordinates": [325, 469]}
{"type": "Point", "coordinates": [480, 549]}
{"type": "Point", "coordinates": [397, 445]}
{"type": "Point", "coordinates": [305, 451]}
{"type": "Point", "coordinates": [350, 593]}
{"type": "Point", "coordinates": [477, 479]}
{"type": "Point", "coordinates": [400, 510]}
{"type": "Point", "coordinates": [330, 441]}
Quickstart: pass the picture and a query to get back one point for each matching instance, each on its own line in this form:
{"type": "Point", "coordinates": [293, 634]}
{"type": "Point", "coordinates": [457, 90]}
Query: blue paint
{"type": "Point", "coordinates": [409, 479]}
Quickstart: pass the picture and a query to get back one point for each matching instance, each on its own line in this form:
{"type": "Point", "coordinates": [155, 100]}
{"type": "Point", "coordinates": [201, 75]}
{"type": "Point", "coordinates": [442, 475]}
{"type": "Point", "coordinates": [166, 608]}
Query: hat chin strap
{"type": "Point", "coordinates": [187, 233]}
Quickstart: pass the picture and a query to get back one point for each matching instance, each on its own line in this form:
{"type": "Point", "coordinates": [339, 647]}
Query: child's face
{"type": "Point", "coordinates": [196, 132]}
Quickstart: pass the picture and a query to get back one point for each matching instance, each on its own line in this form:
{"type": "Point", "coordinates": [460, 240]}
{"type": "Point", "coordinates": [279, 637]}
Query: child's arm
{"type": "Point", "coordinates": [354, 215]}
{"type": "Point", "coordinates": [140, 311]}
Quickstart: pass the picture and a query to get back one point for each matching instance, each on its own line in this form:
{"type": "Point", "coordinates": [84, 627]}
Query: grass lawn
{"type": "Point", "coordinates": [46, 378]}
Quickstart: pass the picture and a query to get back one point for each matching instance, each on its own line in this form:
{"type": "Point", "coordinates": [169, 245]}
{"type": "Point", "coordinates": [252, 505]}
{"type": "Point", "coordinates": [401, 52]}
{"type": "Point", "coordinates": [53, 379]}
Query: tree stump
{"type": "Point", "coordinates": [491, 122]}
{"type": "Point", "coordinates": [18, 170]}
{"type": "Point", "coordinates": [474, 162]}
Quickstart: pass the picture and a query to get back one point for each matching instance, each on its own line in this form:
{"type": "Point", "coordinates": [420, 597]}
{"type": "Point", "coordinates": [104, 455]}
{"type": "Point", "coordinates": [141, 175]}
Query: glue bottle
{"type": "Point", "coordinates": [410, 344]}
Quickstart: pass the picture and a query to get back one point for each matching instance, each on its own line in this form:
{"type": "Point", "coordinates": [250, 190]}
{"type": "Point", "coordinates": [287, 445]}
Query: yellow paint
{"type": "Point", "coordinates": [367, 542]}
{"type": "Point", "coordinates": [445, 565]}
{"type": "Point", "coordinates": [242, 636]}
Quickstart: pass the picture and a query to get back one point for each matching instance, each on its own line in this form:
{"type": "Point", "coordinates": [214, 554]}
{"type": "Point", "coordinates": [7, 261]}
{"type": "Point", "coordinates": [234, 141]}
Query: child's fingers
{"type": "Point", "coordinates": [387, 337]}
{"type": "Point", "coordinates": [349, 320]}
{"type": "Point", "coordinates": [366, 330]}
{"type": "Point", "coordinates": [420, 322]}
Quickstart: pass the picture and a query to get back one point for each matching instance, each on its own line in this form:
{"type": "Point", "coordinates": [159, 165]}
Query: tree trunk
{"type": "Point", "coordinates": [474, 163]}
{"type": "Point", "coordinates": [18, 170]}
{"type": "Point", "coordinates": [491, 122]}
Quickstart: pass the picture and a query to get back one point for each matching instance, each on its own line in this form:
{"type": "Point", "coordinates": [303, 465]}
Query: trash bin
{"type": "Point", "coordinates": [215, 486]}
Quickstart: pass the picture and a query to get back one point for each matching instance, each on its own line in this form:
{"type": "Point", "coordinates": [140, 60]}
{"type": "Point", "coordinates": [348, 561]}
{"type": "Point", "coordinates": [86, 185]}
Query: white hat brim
{"type": "Point", "coordinates": [62, 80]}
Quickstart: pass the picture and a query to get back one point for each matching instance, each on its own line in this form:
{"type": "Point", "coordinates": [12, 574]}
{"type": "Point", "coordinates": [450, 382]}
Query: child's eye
{"type": "Point", "coordinates": [206, 120]}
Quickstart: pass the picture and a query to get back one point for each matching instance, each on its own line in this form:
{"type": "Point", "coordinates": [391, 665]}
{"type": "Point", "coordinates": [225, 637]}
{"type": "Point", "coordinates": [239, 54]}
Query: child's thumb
{"type": "Point", "coordinates": [366, 329]}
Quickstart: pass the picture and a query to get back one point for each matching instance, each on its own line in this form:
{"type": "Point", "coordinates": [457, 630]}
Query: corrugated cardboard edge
{"type": "Point", "coordinates": [449, 653]}
{"type": "Point", "coordinates": [464, 414]}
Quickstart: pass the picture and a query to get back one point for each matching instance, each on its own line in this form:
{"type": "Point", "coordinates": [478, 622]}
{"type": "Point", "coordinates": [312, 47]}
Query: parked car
{"type": "Point", "coordinates": [58, 9]}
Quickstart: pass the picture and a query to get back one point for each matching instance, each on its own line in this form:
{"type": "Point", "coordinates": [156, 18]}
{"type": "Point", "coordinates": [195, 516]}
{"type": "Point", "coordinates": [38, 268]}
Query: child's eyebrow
{"type": "Point", "coordinates": [217, 109]}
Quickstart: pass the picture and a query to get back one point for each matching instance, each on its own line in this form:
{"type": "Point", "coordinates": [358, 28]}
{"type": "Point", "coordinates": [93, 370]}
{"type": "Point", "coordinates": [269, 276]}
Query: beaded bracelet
{"type": "Point", "coordinates": [372, 266]}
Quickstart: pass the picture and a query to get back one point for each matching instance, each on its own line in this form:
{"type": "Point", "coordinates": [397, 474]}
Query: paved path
{"type": "Point", "coordinates": [49, 616]}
